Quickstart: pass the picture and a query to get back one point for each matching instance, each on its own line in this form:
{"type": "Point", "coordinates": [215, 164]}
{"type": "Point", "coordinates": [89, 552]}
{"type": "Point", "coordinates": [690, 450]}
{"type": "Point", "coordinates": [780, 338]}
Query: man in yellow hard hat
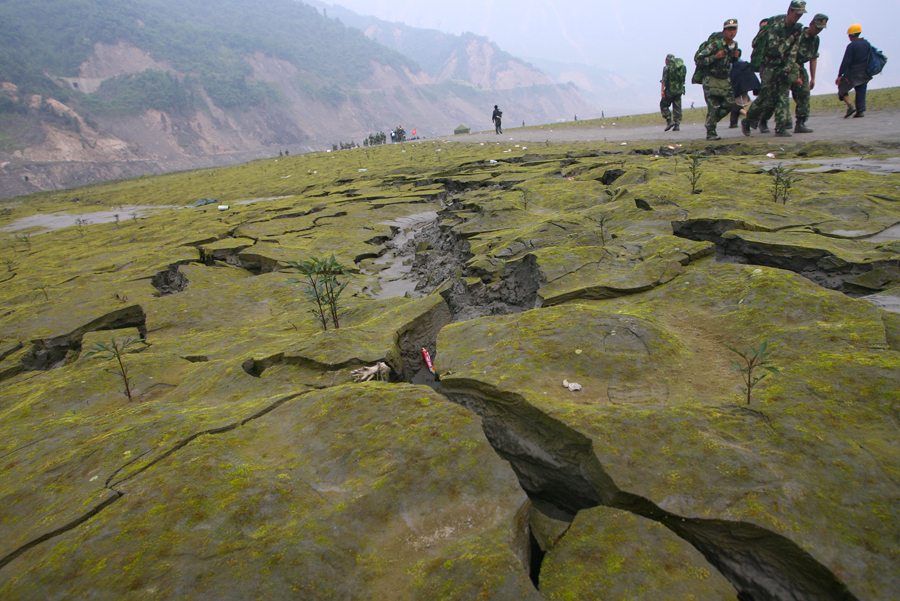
{"type": "Point", "coordinates": [852, 73]}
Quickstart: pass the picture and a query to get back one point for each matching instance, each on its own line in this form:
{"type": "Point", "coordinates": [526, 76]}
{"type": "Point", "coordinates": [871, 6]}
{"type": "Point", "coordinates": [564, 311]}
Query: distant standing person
{"type": "Point", "coordinates": [671, 91]}
{"type": "Point", "coordinates": [853, 72]}
{"type": "Point", "coordinates": [715, 58]}
{"type": "Point", "coordinates": [495, 117]}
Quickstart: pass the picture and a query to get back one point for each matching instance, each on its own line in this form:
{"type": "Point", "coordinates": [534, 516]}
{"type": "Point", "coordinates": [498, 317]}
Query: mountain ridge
{"type": "Point", "coordinates": [222, 92]}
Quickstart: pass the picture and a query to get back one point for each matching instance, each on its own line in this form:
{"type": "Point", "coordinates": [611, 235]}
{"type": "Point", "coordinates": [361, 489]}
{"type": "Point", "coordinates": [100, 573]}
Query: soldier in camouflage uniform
{"type": "Point", "coordinates": [716, 58]}
{"type": "Point", "coordinates": [671, 90]}
{"type": "Point", "coordinates": [808, 53]}
{"type": "Point", "coordinates": [779, 72]}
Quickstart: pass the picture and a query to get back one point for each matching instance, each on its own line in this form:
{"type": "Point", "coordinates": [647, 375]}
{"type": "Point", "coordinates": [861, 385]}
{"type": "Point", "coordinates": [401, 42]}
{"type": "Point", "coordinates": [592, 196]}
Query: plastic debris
{"type": "Point", "coordinates": [492, 162]}
{"type": "Point", "coordinates": [572, 386]}
{"type": "Point", "coordinates": [361, 170]}
{"type": "Point", "coordinates": [571, 179]}
{"type": "Point", "coordinates": [203, 202]}
{"type": "Point", "coordinates": [379, 371]}
{"type": "Point", "coordinates": [771, 155]}
{"type": "Point", "coordinates": [427, 358]}
{"type": "Point", "coordinates": [223, 207]}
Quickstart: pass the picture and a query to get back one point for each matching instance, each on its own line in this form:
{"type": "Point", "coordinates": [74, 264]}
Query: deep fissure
{"type": "Point", "coordinates": [824, 269]}
{"type": "Point", "coordinates": [564, 476]}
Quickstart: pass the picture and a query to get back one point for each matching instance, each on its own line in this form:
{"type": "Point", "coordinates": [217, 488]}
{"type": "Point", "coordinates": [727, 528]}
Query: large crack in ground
{"type": "Point", "coordinates": [470, 291]}
{"type": "Point", "coordinates": [559, 471]}
{"type": "Point", "coordinates": [821, 267]}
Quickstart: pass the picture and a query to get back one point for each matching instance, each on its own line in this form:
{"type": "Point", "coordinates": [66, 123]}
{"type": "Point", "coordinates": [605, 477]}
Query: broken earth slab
{"type": "Point", "coordinates": [675, 372]}
{"type": "Point", "coordinates": [829, 262]}
{"type": "Point", "coordinates": [395, 332]}
{"type": "Point", "coordinates": [632, 558]}
{"type": "Point", "coordinates": [626, 266]}
{"type": "Point", "coordinates": [835, 165]}
{"type": "Point", "coordinates": [367, 491]}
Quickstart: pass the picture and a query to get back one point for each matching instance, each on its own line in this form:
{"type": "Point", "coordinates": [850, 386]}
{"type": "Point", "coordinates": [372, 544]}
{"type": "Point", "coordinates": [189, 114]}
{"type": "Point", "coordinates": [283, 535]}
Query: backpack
{"type": "Point", "coordinates": [760, 42]}
{"type": "Point", "coordinates": [876, 63]}
{"type": "Point", "coordinates": [677, 74]}
{"type": "Point", "coordinates": [700, 72]}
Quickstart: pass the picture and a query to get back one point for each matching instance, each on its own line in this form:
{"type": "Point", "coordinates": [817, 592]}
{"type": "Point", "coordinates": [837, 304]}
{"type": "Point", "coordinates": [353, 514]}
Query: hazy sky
{"type": "Point", "coordinates": [632, 38]}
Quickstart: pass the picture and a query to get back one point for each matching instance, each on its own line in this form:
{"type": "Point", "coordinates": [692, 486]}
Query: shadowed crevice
{"type": "Point", "coordinates": [558, 469]}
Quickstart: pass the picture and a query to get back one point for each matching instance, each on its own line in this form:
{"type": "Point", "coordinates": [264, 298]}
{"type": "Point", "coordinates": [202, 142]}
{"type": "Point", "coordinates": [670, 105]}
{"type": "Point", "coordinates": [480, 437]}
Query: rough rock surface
{"type": "Point", "coordinates": [248, 448]}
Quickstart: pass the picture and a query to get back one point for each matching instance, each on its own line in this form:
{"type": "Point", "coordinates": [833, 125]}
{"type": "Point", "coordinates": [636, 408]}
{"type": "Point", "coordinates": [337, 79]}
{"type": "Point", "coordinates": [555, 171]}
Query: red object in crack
{"type": "Point", "coordinates": [427, 358]}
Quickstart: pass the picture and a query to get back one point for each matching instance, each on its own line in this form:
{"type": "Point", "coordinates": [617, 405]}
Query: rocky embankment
{"type": "Point", "coordinates": [248, 448]}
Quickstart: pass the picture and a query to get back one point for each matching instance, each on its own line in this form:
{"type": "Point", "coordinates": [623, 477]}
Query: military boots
{"type": "Point", "coordinates": [669, 125]}
{"type": "Point", "coordinates": [801, 128]}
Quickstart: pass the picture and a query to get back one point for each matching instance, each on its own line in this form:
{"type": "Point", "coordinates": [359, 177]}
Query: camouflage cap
{"type": "Point", "coordinates": [798, 6]}
{"type": "Point", "coordinates": [670, 57]}
{"type": "Point", "coordinates": [730, 23]}
{"type": "Point", "coordinates": [820, 21]}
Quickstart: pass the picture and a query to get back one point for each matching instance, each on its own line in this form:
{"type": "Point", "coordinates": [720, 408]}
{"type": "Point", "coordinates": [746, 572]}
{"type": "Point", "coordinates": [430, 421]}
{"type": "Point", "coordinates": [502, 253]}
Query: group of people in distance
{"type": "Point", "coordinates": [781, 50]}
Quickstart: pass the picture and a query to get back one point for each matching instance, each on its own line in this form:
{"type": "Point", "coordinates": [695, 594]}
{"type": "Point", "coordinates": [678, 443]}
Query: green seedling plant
{"type": "Point", "coordinates": [783, 180]}
{"type": "Point", "coordinates": [694, 163]}
{"type": "Point", "coordinates": [322, 287]}
{"type": "Point", "coordinates": [604, 228]}
{"type": "Point", "coordinates": [115, 350]}
{"type": "Point", "coordinates": [43, 288]}
{"type": "Point", "coordinates": [753, 361]}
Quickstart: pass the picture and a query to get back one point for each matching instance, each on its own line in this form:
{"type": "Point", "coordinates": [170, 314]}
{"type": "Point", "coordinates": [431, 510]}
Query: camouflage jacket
{"type": "Point", "coordinates": [808, 47]}
{"type": "Point", "coordinates": [716, 67]}
{"type": "Point", "coordinates": [665, 75]}
{"type": "Point", "coordinates": [782, 46]}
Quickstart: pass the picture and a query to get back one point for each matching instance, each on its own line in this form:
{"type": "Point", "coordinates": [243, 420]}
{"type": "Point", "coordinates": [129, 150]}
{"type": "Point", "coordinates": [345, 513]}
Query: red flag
{"type": "Point", "coordinates": [414, 131]}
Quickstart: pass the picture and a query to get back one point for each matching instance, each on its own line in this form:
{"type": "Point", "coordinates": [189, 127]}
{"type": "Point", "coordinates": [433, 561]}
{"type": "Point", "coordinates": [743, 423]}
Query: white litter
{"type": "Point", "coordinates": [361, 170]}
{"type": "Point", "coordinates": [223, 207]}
{"type": "Point", "coordinates": [771, 155]}
{"type": "Point", "coordinates": [378, 371]}
{"type": "Point", "coordinates": [572, 386]}
{"type": "Point", "coordinates": [492, 162]}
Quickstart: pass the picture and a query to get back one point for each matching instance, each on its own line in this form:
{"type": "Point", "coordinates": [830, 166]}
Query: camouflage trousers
{"type": "Point", "coordinates": [673, 100]}
{"type": "Point", "coordinates": [773, 99]}
{"type": "Point", "coordinates": [719, 101]}
{"type": "Point", "coordinates": [801, 94]}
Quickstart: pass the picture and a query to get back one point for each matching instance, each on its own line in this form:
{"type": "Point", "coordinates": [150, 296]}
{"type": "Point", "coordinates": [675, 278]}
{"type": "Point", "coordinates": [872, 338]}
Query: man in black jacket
{"type": "Point", "coordinates": [853, 72]}
{"type": "Point", "coordinates": [496, 117]}
{"type": "Point", "coordinates": [743, 81]}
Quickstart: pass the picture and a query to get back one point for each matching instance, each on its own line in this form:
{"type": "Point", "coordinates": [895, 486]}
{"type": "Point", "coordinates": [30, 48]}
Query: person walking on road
{"type": "Point", "coordinates": [495, 117]}
{"type": "Point", "coordinates": [671, 91]}
{"type": "Point", "coordinates": [778, 72]}
{"type": "Point", "coordinates": [715, 58]}
{"type": "Point", "coordinates": [743, 81]}
{"type": "Point", "coordinates": [807, 53]}
{"type": "Point", "coordinates": [853, 74]}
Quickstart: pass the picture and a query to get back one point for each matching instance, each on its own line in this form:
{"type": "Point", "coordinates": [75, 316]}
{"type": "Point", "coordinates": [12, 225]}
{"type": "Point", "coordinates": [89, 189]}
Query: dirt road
{"type": "Point", "coordinates": [877, 126]}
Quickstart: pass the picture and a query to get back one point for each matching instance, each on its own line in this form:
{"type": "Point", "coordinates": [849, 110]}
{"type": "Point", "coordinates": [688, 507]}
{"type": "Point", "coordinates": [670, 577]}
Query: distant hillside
{"type": "Point", "coordinates": [445, 56]}
{"type": "Point", "coordinates": [100, 89]}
